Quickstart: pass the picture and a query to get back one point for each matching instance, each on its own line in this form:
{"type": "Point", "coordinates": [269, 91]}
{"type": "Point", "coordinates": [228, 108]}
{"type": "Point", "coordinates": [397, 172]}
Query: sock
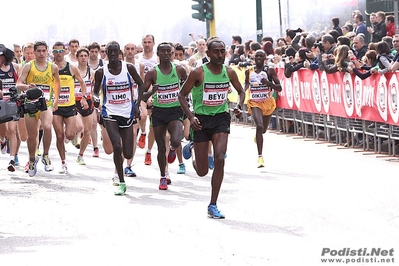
{"type": "Point", "coordinates": [81, 154]}
{"type": "Point", "coordinates": [260, 155]}
{"type": "Point", "coordinates": [12, 158]}
{"type": "Point", "coordinates": [148, 151]}
{"type": "Point", "coordinates": [214, 204]}
{"type": "Point", "coordinates": [143, 133]}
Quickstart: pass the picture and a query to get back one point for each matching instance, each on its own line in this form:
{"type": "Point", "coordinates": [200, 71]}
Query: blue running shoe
{"type": "Point", "coordinates": [187, 150]}
{"type": "Point", "coordinates": [210, 162]}
{"type": "Point", "coordinates": [214, 213]}
{"type": "Point", "coordinates": [16, 160]}
{"type": "Point", "coordinates": [129, 172]}
{"type": "Point", "coordinates": [182, 169]}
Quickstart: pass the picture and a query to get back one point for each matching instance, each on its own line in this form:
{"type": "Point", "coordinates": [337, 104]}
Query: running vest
{"type": "Point", "coordinates": [148, 63]}
{"type": "Point", "coordinates": [257, 91]}
{"type": "Point", "coordinates": [67, 87]}
{"type": "Point", "coordinates": [44, 80]}
{"type": "Point", "coordinates": [168, 90]}
{"type": "Point", "coordinates": [9, 79]}
{"type": "Point", "coordinates": [117, 91]}
{"type": "Point", "coordinates": [135, 86]}
{"type": "Point", "coordinates": [87, 81]}
{"type": "Point", "coordinates": [210, 97]}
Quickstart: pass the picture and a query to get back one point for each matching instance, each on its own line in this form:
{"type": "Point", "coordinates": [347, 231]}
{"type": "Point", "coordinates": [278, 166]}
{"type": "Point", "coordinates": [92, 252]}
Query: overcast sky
{"type": "Point", "coordinates": [128, 21]}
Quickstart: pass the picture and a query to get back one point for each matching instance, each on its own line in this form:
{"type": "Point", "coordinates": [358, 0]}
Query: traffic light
{"type": "Point", "coordinates": [200, 10]}
{"type": "Point", "coordinates": [208, 9]}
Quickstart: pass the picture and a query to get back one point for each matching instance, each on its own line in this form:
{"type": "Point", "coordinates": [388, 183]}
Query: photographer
{"type": "Point", "coordinates": [328, 46]}
{"type": "Point", "coordinates": [46, 76]}
{"type": "Point", "coordinates": [9, 77]}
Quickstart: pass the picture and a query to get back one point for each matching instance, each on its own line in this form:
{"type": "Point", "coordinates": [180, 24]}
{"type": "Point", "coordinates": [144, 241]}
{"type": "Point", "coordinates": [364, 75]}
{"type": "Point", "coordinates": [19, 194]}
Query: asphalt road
{"type": "Point", "coordinates": [309, 196]}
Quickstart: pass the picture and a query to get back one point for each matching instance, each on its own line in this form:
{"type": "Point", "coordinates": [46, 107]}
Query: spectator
{"type": "Point", "coordinates": [390, 25]}
{"type": "Point", "coordinates": [372, 46]}
{"type": "Point", "coordinates": [343, 40]}
{"type": "Point", "coordinates": [235, 58]}
{"type": "Point", "coordinates": [379, 30]}
{"type": "Point", "coordinates": [335, 23]}
{"type": "Point", "coordinates": [360, 25]}
{"type": "Point", "coordinates": [295, 64]}
{"type": "Point", "coordinates": [359, 47]}
{"type": "Point", "coordinates": [328, 44]}
{"type": "Point", "coordinates": [365, 65]}
{"type": "Point", "coordinates": [345, 30]}
{"type": "Point", "coordinates": [267, 39]}
{"type": "Point", "coordinates": [341, 60]}
{"type": "Point", "coordinates": [236, 39]}
{"type": "Point", "coordinates": [395, 62]}
{"type": "Point", "coordinates": [384, 57]}
{"type": "Point", "coordinates": [335, 34]}
{"type": "Point", "coordinates": [281, 42]}
{"type": "Point", "coordinates": [293, 38]}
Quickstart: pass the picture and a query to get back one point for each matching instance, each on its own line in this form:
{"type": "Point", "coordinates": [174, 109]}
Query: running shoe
{"type": "Point", "coordinates": [38, 152]}
{"type": "Point", "coordinates": [210, 162]}
{"type": "Point", "coordinates": [214, 213]}
{"type": "Point", "coordinates": [121, 189]}
{"type": "Point", "coordinates": [182, 169]}
{"type": "Point", "coordinates": [4, 147]}
{"type": "Point", "coordinates": [11, 166]}
{"type": "Point", "coordinates": [96, 152]}
{"type": "Point", "coordinates": [64, 169]}
{"type": "Point", "coordinates": [171, 155]}
{"type": "Point", "coordinates": [32, 169]}
{"type": "Point", "coordinates": [80, 160]}
{"type": "Point", "coordinates": [27, 167]}
{"type": "Point", "coordinates": [141, 142]}
{"type": "Point", "coordinates": [187, 150]}
{"type": "Point", "coordinates": [129, 172]}
{"type": "Point", "coordinates": [47, 163]}
{"type": "Point", "coordinates": [168, 180]}
{"type": "Point", "coordinates": [163, 183]}
{"type": "Point", "coordinates": [115, 180]}
{"type": "Point", "coordinates": [261, 162]}
{"type": "Point", "coordinates": [147, 160]}
{"type": "Point", "coordinates": [16, 160]}
{"type": "Point", "coordinates": [255, 140]}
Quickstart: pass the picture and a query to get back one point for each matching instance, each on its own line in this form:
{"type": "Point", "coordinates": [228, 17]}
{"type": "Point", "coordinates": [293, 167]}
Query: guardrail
{"type": "Point", "coordinates": [339, 108]}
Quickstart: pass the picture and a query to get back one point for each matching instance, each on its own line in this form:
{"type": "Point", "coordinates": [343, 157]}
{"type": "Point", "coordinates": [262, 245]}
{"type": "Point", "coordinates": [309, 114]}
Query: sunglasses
{"type": "Point", "coordinates": [58, 51]}
{"type": "Point", "coordinates": [102, 51]}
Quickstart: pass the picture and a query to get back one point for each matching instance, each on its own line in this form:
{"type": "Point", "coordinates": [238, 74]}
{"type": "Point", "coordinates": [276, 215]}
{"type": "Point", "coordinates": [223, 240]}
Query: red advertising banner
{"type": "Point", "coordinates": [375, 98]}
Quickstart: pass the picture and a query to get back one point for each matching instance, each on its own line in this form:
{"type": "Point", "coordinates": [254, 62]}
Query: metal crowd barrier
{"type": "Point", "coordinates": [369, 136]}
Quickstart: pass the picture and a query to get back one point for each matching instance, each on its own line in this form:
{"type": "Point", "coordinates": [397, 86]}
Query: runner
{"type": "Point", "coordinates": [210, 85]}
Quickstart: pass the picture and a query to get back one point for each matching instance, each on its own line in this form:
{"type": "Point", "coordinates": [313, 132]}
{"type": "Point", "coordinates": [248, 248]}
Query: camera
{"type": "Point", "coordinates": [20, 104]}
{"type": "Point", "coordinates": [318, 45]}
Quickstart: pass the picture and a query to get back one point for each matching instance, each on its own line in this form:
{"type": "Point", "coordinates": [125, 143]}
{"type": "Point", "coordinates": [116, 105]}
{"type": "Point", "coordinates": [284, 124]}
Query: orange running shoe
{"type": "Point", "coordinates": [142, 141]}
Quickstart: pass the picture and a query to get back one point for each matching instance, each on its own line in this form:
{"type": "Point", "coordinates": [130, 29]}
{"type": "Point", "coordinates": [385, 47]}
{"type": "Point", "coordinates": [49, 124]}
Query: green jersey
{"type": "Point", "coordinates": [210, 97]}
{"type": "Point", "coordinates": [168, 89]}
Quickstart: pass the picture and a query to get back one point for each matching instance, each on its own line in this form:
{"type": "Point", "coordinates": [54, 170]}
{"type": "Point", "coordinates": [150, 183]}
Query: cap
{"type": "Point", "coordinates": [8, 53]}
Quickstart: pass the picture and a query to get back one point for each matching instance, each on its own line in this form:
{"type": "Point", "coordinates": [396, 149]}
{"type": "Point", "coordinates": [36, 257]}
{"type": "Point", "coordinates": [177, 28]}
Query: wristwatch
{"type": "Point", "coordinates": [84, 96]}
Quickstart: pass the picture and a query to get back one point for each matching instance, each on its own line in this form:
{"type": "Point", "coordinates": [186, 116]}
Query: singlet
{"type": "Point", "coordinates": [44, 80]}
{"type": "Point", "coordinates": [168, 90]}
{"type": "Point", "coordinates": [135, 86]}
{"type": "Point", "coordinates": [117, 91]}
{"type": "Point", "coordinates": [257, 91]}
{"type": "Point", "coordinates": [210, 97]}
{"type": "Point", "coordinates": [9, 79]}
{"type": "Point", "coordinates": [69, 60]}
{"type": "Point", "coordinates": [100, 64]}
{"type": "Point", "coordinates": [148, 63]}
{"type": "Point", "coordinates": [87, 81]}
{"type": "Point", "coordinates": [67, 87]}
